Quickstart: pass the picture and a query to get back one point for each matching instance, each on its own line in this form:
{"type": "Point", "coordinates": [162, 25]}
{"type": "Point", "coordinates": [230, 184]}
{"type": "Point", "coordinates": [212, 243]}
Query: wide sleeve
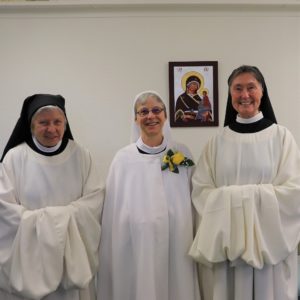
{"type": "Point", "coordinates": [255, 223]}
{"type": "Point", "coordinates": [49, 247]}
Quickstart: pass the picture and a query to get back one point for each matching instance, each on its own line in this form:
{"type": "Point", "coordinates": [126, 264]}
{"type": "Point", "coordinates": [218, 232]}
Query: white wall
{"type": "Point", "coordinates": [100, 57]}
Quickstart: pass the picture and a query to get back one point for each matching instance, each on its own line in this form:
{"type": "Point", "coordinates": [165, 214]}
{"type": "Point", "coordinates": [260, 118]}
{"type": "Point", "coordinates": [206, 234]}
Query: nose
{"type": "Point", "coordinates": [51, 128]}
{"type": "Point", "coordinates": [150, 114]}
{"type": "Point", "coordinates": [244, 93]}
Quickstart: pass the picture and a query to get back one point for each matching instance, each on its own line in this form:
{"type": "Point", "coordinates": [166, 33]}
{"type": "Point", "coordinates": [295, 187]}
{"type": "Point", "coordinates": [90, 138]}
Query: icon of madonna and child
{"type": "Point", "coordinates": [194, 103]}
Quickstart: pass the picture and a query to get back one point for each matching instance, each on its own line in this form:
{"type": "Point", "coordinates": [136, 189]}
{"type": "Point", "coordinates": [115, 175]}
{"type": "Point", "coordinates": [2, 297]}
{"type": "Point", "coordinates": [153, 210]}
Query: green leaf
{"type": "Point", "coordinates": [163, 167]}
{"type": "Point", "coordinates": [190, 162]}
{"type": "Point", "coordinates": [175, 170]}
{"type": "Point", "coordinates": [170, 152]}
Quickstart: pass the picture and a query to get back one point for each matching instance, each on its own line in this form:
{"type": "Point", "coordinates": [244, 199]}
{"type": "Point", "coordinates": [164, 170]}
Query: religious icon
{"type": "Point", "coordinates": [193, 93]}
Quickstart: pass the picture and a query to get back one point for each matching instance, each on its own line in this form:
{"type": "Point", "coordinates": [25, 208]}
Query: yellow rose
{"type": "Point", "coordinates": [177, 158]}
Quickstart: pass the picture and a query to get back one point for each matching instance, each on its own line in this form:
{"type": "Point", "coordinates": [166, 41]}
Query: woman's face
{"type": "Point", "coordinates": [246, 93]}
{"type": "Point", "coordinates": [48, 127]}
{"type": "Point", "coordinates": [192, 88]}
{"type": "Point", "coordinates": [151, 125]}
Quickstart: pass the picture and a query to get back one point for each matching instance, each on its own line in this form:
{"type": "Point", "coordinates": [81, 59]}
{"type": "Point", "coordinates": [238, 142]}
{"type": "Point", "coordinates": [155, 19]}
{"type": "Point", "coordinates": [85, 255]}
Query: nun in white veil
{"type": "Point", "coordinates": [147, 218]}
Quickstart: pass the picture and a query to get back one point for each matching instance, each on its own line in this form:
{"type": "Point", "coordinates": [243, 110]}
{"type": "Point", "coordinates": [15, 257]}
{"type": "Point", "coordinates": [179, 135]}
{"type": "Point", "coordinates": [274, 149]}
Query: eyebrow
{"type": "Point", "coordinates": [246, 84]}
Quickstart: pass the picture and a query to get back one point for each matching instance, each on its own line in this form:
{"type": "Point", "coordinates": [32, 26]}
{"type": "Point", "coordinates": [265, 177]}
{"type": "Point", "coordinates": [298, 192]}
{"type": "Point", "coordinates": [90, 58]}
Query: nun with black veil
{"type": "Point", "coordinates": [246, 191]}
{"type": "Point", "coordinates": [50, 205]}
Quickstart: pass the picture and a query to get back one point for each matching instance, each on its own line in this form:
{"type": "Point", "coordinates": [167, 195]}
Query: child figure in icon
{"type": "Point", "coordinates": [204, 109]}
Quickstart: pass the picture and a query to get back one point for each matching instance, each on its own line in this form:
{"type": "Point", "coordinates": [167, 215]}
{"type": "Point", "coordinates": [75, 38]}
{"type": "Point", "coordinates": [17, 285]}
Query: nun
{"type": "Point", "coordinates": [51, 200]}
{"type": "Point", "coordinates": [147, 225]}
{"type": "Point", "coordinates": [246, 190]}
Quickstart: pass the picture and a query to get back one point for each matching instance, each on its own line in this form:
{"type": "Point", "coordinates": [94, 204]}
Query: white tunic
{"type": "Point", "coordinates": [246, 190]}
{"type": "Point", "coordinates": [147, 230]}
{"type": "Point", "coordinates": [49, 224]}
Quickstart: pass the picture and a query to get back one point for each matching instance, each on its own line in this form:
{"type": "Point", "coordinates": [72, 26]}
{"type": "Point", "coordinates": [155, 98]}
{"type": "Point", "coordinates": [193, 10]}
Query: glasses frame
{"type": "Point", "coordinates": [156, 108]}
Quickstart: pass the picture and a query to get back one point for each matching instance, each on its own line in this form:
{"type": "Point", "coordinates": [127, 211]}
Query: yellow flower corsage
{"type": "Point", "coordinates": [172, 160]}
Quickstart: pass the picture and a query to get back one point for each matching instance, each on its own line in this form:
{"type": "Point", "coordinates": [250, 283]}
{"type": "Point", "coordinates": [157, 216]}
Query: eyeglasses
{"type": "Point", "coordinates": [145, 111]}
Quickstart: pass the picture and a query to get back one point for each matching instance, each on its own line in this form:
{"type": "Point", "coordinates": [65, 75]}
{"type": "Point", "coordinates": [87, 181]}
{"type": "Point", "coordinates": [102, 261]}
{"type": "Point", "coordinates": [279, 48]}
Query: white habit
{"type": "Point", "coordinates": [246, 190]}
{"type": "Point", "coordinates": [147, 230]}
{"type": "Point", "coordinates": [49, 224]}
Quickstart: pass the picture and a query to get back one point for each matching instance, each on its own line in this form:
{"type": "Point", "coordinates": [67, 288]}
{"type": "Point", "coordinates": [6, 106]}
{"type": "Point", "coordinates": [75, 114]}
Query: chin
{"type": "Point", "coordinates": [153, 134]}
{"type": "Point", "coordinates": [247, 114]}
{"type": "Point", "coordinates": [51, 144]}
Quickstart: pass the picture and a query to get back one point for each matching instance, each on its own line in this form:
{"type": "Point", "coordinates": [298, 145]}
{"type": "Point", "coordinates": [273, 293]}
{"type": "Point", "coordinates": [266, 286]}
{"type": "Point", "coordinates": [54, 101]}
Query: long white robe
{"type": "Point", "coordinates": [246, 190]}
{"type": "Point", "coordinates": [147, 230]}
{"type": "Point", "coordinates": [50, 210]}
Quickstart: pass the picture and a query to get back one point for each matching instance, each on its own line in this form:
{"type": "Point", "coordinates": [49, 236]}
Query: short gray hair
{"type": "Point", "coordinates": [142, 99]}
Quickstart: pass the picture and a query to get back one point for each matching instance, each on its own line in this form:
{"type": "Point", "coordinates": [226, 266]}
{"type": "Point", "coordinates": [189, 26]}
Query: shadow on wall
{"type": "Point", "coordinates": [299, 277]}
{"type": "Point", "coordinates": [299, 272]}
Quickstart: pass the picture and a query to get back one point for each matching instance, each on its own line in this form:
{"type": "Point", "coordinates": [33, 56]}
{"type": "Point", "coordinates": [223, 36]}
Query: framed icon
{"type": "Point", "coordinates": [193, 91]}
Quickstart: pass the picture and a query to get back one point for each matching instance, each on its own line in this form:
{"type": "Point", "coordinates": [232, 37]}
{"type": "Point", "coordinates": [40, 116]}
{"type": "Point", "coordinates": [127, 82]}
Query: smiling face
{"type": "Point", "coordinates": [48, 126]}
{"type": "Point", "coordinates": [246, 93]}
{"type": "Point", "coordinates": [151, 125]}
